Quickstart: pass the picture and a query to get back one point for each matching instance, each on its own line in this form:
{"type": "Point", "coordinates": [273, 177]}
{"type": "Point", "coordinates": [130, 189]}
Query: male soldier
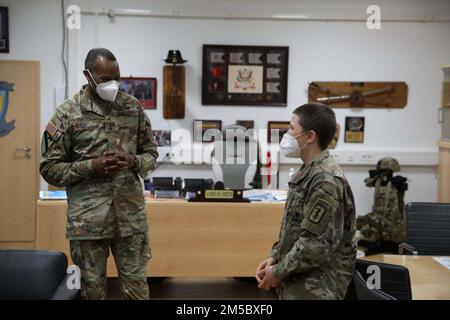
{"type": "Point", "coordinates": [315, 255]}
{"type": "Point", "coordinates": [96, 145]}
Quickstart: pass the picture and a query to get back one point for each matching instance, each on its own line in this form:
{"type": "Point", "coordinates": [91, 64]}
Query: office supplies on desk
{"type": "Point", "coordinates": [165, 187]}
{"type": "Point", "coordinates": [265, 195]}
{"type": "Point", "coordinates": [445, 261]}
{"type": "Point", "coordinates": [194, 184]}
{"type": "Point", "coordinates": [167, 194]}
{"type": "Point", "coordinates": [53, 195]}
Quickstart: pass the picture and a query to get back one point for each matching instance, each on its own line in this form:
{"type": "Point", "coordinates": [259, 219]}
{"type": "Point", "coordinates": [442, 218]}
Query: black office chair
{"type": "Point", "coordinates": [427, 229]}
{"type": "Point", "coordinates": [364, 293]}
{"type": "Point", "coordinates": [395, 279]}
{"type": "Point", "coordinates": [34, 275]}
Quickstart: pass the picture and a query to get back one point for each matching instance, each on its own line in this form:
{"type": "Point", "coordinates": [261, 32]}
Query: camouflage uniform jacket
{"type": "Point", "coordinates": [316, 250]}
{"type": "Point", "coordinates": [81, 129]}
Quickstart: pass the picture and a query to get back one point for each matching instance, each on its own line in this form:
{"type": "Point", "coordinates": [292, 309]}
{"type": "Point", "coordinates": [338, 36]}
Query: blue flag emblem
{"type": "Point", "coordinates": [5, 127]}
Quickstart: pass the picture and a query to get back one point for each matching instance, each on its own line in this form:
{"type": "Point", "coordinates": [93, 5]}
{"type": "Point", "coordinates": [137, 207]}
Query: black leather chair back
{"type": "Point", "coordinates": [428, 227]}
{"type": "Point", "coordinates": [395, 279]}
{"type": "Point", "coordinates": [30, 274]}
{"type": "Point", "coordinates": [364, 293]}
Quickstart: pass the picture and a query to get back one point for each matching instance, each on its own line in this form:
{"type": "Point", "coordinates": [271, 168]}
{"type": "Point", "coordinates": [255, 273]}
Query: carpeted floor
{"type": "Point", "coordinates": [199, 288]}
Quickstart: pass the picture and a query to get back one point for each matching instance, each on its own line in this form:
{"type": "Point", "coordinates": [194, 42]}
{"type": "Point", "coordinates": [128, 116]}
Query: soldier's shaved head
{"type": "Point", "coordinates": [95, 54]}
{"type": "Point", "coordinates": [319, 118]}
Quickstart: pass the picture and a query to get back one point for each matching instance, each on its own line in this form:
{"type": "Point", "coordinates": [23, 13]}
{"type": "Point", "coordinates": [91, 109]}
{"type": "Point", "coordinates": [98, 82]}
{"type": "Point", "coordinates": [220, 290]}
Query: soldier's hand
{"type": "Point", "coordinates": [105, 164]}
{"type": "Point", "coordinates": [260, 275]}
{"type": "Point", "coordinates": [260, 270]}
{"type": "Point", "coordinates": [270, 280]}
{"type": "Point", "coordinates": [125, 160]}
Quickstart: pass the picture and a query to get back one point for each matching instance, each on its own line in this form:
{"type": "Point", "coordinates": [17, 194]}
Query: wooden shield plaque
{"type": "Point", "coordinates": [173, 92]}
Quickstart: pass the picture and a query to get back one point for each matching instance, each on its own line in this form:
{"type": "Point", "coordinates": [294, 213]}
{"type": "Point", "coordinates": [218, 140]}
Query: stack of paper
{"type": "Point", "coordinates": [265, 195]}
{"type": "Point", "coordinates": [53, 195]}
{"type": "Point", "coordinates": [444, 261]}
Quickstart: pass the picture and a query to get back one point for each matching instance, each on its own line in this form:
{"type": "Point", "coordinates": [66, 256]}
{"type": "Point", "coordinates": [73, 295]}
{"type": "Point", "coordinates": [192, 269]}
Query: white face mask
{"type": "Point", "coordinates": [289, 146]}
{"type": "Point", "coordinates": [107, 90]}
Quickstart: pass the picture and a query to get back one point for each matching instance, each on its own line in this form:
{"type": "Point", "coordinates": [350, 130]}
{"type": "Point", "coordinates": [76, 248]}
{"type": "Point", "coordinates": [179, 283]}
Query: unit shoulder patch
{"type": "Point", "coordinates": [319, 211]}
{"type": "Point", "coordinates": [320, 207]}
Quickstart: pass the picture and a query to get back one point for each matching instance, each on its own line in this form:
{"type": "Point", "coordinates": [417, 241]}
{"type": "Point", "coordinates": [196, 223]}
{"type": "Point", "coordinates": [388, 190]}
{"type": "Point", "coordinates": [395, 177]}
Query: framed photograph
{"type": "Point", "coordinates": [4, 30]}
{"type": "Point", "coordinates": [276, 129]}
{"type": "Point", "coordinates": [245, 75]}
{"type": "Point", "coordinates": [206, 130]}
{"type": "Point", "coordinates": [143, 89]}
{"type": "Point", "coordinates": [354, 129]}
{"type": "Point", "coordinates": [162, 137]}
{"type": "Point", "coordinates": [247, 124]}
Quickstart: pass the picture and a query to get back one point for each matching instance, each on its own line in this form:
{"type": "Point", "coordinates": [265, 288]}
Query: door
{"type": "Point", "coordinates": [444, 172]}
{"type": "Point", "coordinates": [19, 152]}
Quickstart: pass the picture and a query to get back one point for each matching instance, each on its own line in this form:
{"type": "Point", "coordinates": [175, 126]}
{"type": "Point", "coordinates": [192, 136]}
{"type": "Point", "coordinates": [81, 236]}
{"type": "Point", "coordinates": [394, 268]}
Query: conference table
{"type": "Point", "coordinates": [430, 280]}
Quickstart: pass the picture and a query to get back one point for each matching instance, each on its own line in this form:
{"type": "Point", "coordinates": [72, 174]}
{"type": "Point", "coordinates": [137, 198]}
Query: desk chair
{"type": "Point", "coordinates": [364, 293]}
{"type": "Point", "coordinates": [427, 229]}
{"type": "Point", "coordinates": [234, 159]}
{"type": "Point", "coordinates": [395, 279]}
{"type": "Point", "coordinates": [34, 275]}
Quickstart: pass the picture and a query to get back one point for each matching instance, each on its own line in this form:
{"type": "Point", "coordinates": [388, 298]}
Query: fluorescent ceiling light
{"type": "Point", "coordinates": [287, 16]}
{"type": "Point", "coordinates": [132, 11]}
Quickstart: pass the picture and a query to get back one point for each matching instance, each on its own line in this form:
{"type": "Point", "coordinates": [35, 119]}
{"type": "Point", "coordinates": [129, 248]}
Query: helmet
{"type": "Point", "coordinates": [388, 163]}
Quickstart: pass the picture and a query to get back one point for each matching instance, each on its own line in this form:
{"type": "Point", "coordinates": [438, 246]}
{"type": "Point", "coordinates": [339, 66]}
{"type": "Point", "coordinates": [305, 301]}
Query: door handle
{"type": "Point", "coordinates": [27, 151]}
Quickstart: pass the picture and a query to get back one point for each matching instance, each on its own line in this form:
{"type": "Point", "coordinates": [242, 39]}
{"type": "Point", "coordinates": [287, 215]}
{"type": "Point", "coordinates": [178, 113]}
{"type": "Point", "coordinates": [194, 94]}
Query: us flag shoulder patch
{"type": "Point", "coordinates": [52, 127]}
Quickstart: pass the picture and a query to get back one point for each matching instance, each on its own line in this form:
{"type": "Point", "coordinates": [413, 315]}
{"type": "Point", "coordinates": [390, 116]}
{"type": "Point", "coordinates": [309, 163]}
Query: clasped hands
{"type": "Point", "coordinates": [111, 162]}
{"type": "Point", "coordinates": [264, 275]}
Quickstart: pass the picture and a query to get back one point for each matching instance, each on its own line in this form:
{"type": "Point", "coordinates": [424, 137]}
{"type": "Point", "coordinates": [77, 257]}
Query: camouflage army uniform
{"type": "Point", "coordinates": [386, 221]}
{"type": "Point", "coordinates": [316, 249]}
{"type": "Point", "coordinates": [103, 211]}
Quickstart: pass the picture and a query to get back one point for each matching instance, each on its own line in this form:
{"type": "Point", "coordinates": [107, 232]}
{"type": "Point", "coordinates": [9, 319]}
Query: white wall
{"type": "Point", "coordinates": [320, 51]}
{"type": "Point", "coordinates": [35, 34]}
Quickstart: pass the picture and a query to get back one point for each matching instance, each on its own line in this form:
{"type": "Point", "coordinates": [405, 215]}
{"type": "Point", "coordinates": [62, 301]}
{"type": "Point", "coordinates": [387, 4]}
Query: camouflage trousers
{"type": "Point", "coordinates": [313, 286]}
{"type": "Point", "coordinates": [131, 255]}
{"type": "Point", "coordinates": [375, 227]}
{"type": "Point", "coordinates": [302, 290]}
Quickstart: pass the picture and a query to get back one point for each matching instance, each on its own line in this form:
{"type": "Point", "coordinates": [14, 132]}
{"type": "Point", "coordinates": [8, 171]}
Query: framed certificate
{"type": "Point", "coordinates": [354, 129]}
{"type": "Point", "coordinates": [206, 130]}
{"type": "Point", "coordinates": [245, 75]}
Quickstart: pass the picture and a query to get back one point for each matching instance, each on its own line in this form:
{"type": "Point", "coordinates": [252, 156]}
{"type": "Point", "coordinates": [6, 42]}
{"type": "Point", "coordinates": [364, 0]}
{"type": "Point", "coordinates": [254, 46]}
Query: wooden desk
{"type": "Point", "coordinates": [429, 279]}
{"type": "Point", "coordinates": [188, 239]}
